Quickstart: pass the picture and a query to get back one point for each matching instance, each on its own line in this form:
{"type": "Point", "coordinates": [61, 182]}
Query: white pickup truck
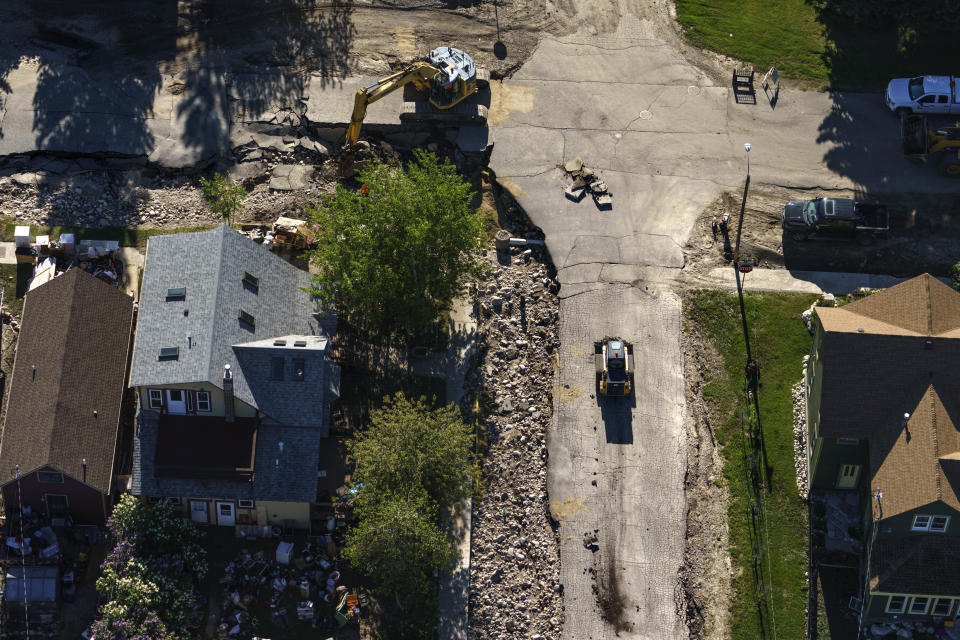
{"type": "Point", "coordinates": [923, 94]}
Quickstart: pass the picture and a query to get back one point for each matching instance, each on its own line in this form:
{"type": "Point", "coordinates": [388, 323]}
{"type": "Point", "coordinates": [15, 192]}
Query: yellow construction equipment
{"type": "Point", "coordinates": [921, 143]}
{"type": "Point", "coordinates": [449, 75]}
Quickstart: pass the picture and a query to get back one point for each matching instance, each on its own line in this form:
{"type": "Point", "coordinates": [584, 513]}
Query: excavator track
{"type": "Point", "coordinates": [483, 78]}
{"type": "Point", "coordinates": [463, 113]}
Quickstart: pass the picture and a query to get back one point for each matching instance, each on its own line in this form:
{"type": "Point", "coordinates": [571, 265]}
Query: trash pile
{"type": "Point", "coordinates": [50, 258]}
{"type": "Point", "coordinates": [49, 560]}
{"type": "Point", "coordinates": [286, 589]}
{"type": "Point", "coordinates": [584, 180]}
{"type": "Point", "coordinates": [515, 589]}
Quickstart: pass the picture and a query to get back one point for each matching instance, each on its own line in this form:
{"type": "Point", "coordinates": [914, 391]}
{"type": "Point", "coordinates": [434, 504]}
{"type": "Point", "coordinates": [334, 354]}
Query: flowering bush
{"type": "Point", "coordinates": [149, 574]}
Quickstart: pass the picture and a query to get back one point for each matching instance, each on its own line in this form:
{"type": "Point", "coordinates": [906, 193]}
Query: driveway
{"type": "Point", "coordinates": [667, 138]}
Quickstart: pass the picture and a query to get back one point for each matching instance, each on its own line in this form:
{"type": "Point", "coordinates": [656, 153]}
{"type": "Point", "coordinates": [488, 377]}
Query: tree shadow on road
{"type": "Point", "coordinates": [872, 41]}
{"type": "Point", "coordinates": [115, 76]}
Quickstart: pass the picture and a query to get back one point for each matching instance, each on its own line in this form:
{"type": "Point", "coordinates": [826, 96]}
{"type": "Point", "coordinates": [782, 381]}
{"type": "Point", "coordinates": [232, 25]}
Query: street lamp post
{"type": "Point", "coordinates": [743, 203]}
{"type": "Point", "coordinates": [736, 266]}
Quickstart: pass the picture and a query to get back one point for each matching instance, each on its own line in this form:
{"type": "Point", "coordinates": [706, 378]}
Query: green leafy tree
{"type": "Point", "coordinates": [395, 253]}
{"type": "Point", "coordinates": [150, 573]}
{"type": "Point", "coordinates": [411, 462]}
{"type": "Point", "coordinates": [397, 542]}
{"type": "Point", "coordinates": [224, 197]}
{"type": "Point", "coordinates": [409, 445]}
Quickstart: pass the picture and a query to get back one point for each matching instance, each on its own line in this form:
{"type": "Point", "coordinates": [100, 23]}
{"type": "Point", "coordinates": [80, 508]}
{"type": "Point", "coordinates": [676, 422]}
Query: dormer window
{"type": "Point", "coordinates": [176, 293]}
{"type": "Point", "coordinates": [247, 319]}
{"type": "Point", "coordinates": [251, 281]}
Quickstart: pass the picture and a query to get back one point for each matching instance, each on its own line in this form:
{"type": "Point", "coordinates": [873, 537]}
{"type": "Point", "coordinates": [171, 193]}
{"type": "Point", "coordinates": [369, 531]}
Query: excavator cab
{"type": "Point", "coordinates": [456, 77]}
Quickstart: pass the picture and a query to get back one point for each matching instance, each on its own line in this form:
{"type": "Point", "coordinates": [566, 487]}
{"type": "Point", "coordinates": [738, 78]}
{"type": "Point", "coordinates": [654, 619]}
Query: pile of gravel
{"type": "Point", "coordinates": [515, 589]}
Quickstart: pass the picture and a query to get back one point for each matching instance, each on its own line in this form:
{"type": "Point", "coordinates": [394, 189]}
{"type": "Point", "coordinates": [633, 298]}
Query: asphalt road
{"type": "Point", "coordinates": [667, 140]}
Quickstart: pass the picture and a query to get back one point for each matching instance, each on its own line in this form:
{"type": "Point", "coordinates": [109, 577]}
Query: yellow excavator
{"type": "Point", "coordinates": [449, 75]}
{"type": "Point", "coordinates": [941, 144]}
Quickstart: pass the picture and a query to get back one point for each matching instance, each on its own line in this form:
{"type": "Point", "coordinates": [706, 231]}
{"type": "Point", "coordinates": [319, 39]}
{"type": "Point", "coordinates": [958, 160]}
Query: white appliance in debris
{"type": "Point", "coordinates": [284, 552]}
{"type": "Point", "coordinates": [21, 236]}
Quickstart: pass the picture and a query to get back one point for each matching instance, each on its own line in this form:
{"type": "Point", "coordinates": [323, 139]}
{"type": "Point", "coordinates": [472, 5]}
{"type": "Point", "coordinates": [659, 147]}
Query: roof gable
{"type": "Point", "coordinates": [57, 412]}
{"type": "Point", "coordinates": [906, 459]}
{"type": "Point", "coordinates": [921, 306]}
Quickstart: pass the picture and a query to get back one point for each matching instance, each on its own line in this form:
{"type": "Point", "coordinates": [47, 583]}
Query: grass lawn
{"type": "Point", "coordinates": [816, 48]}
{"type": "Point", "coordinates": [779, 341]}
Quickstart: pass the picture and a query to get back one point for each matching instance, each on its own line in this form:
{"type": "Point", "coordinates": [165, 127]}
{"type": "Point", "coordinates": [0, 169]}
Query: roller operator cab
{"type": "Point", "coordinates": [613, 360]}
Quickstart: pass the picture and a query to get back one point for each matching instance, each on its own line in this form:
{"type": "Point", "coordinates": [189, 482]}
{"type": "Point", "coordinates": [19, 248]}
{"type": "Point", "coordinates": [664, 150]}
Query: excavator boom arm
{"type": "Point", "coordinates": [419, 73]}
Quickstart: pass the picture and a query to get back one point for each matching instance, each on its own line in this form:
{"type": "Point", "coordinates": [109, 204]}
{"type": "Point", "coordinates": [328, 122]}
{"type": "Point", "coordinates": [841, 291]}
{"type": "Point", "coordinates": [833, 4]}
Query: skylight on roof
{"type": "Point", "coordinates": [247, 319]}
{"type": "Point", "coordinates": [169, 353]}
{"type": "Point", "coordinates": [251, 280]}
{"type": "Point", "coordinates": [176, 293]}
{"type": "Point", "coordinates": [279, 343]}
{"type": "Point", "coordinates": [300, 343]}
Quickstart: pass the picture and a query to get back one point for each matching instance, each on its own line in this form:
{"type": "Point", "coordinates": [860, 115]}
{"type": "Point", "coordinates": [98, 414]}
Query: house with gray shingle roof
{"type": "Point", "coordinates": [231, 365]}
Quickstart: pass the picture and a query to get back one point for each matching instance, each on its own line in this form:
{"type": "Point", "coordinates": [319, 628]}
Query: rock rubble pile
{"type": "Point", "coordinates": [800, 432]}
{"type": "Point", "coordinates": [101, 193]}
{"type": "Point", "coordinates": [515, 589]}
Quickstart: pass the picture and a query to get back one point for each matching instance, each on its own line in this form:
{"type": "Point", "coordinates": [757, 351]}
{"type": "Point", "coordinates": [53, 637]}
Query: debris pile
{"type": "Point", "coordinates": [800, 432]}
{"type": "Point", "coordinates": [286, 589]}
{"type": "Point", "coordinates": [584, 180]}
{"type": "Point", "coordinates": [515, 590]}
{"type": "Point", "coordinates": [50, 560]}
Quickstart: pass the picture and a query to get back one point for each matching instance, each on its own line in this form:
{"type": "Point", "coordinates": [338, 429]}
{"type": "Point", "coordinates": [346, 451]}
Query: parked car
{"type": "Point", "coordinates": [835, 216]}
{"type": "Point", "coordinates": [923, 94]}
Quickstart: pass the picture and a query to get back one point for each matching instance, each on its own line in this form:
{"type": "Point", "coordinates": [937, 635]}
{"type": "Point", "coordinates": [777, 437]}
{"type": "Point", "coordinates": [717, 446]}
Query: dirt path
{"type": "Point", "coordinates": [924, 236]}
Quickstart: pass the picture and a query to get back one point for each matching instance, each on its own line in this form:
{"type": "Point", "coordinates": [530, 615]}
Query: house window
{"type": "Point", "coordinates": [247, 319]}
{"type": "Point", "coordinates": [174, 500]}
{"type": "Point", "coordinates": [847, 441]}
{"type": "Point", "coordinates": [939, 523]}
{"type": "Point", "coordinates": [251, 281]}
{"type": "Point", "coordinates": [919, 604]}
{"type": "Point", "coordinates": [203, 401]}
{"type": "Point", "coordinates": [156, 399]}
{"type": "Point", "coordinates": [276, 368]}
{"type": "Point", "coordinates": [245, 504]}
{"type": "Point", "coordinates": [299, 369]}
{"type": "Point", "coordinates": [50, 477]}
{"type": "Point", "coordinates": [930, 523]}
{"type": "Point", "coordinates": [169, 353]}
{"type": "Point", "coordinates": [942, 607]}
{"type": "Point", "coordinates": [896, 604]}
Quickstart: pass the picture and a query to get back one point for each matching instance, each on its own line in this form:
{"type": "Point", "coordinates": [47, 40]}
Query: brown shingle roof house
{"type": "Point", "coordinates": [883, 411]}
{"type": "Point", "coordinates": [66, 392]}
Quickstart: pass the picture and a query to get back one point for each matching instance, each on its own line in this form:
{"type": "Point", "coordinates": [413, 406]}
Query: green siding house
{"type": "Point", "coordinates": [883, 405]}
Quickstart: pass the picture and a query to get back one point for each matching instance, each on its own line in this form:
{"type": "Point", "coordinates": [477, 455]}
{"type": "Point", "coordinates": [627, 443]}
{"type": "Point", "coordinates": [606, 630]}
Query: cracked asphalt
{"type": "Point", "coordinates": [667, 139]}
